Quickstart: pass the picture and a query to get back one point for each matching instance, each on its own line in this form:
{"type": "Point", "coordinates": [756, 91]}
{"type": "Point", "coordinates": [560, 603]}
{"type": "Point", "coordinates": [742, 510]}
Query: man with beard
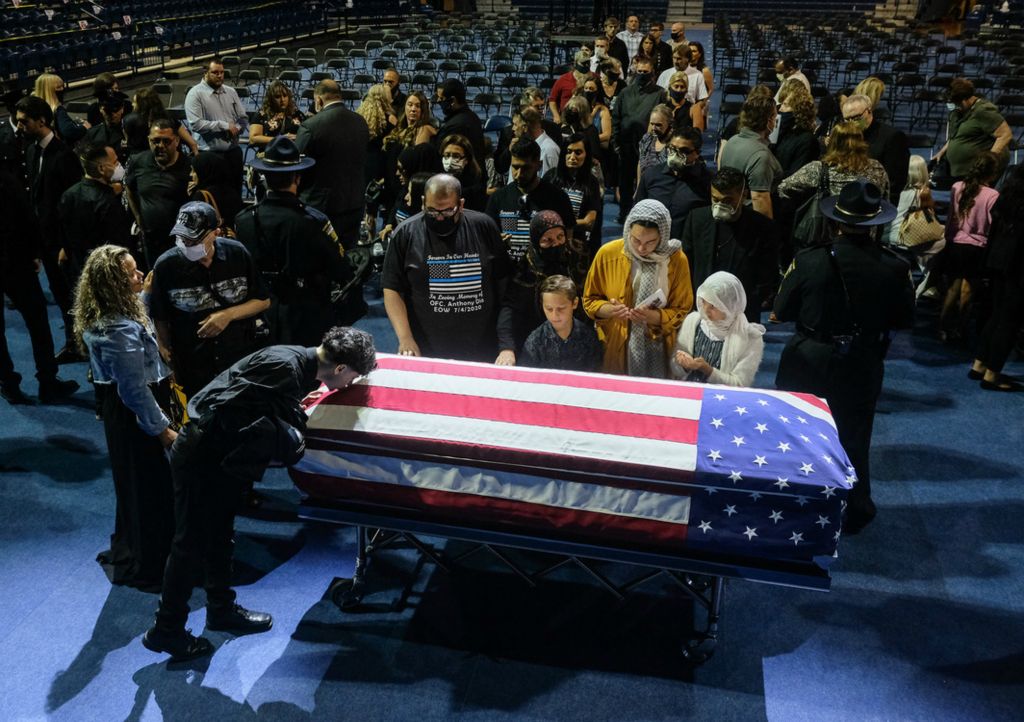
{"type": "Point", "coordinates": [217, 118]}
{"type": "Point", "coordinates": [682, 183]}
{"type": "Point", "coordinates": [513, 206]}
{"type": "Point", "coordinates": [630, 116]}
{"type": "Point", "coordinates": [157, 186]}
{"type": "Point", "coordinates": [444, 277]}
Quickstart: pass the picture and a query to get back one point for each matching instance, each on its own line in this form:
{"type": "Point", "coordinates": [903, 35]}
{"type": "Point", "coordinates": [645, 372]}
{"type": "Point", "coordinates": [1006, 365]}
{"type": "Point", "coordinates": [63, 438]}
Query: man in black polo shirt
{"type": "Point", "coordinates": [205, 298]}
{"type": "Point", "coordinates": [157, 186]}
{"type": "Point", "coordinates": [513, 206]}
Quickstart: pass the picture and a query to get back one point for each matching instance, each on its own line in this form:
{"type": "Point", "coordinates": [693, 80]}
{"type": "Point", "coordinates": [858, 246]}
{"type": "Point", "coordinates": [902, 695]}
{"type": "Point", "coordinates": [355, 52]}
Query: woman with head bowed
{"type": "Point", "coordinates": [717, 344]}
{"type": "Point", "coordinates": [638, 291]}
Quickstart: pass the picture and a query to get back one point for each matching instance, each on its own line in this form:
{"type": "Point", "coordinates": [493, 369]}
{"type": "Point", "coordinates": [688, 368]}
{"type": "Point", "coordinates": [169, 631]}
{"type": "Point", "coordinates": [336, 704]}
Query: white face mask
{"type": "Point", "coordinates": [781, 77]}
{"type": "Point", "coordinates": [453, 165]}
{"type": "Point", "coordinates": [722, 212]}
{"type": "Point", "coordinates": [118, 175]}
{"type": "Point", "coordinates": [951, 107]}
{"type": "Point", "coordinates": [193, 253]}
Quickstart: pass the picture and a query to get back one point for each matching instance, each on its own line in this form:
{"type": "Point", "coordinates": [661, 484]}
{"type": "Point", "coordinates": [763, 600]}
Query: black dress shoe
{"type": "Point", "coordinates": [13, 395]}
{"type": "Point", "coordinates": [69, 355]}
{"type": "Point", "coordinates": [238, 620]}
{"type": "Point", "coordinates": [1001, 385]}
{"type": "Point", "coordinates": [181, 646]}
{"type": "Point", "coordinates": [56, 389]}
{"type": "Point", "coordinates": [975, 375]}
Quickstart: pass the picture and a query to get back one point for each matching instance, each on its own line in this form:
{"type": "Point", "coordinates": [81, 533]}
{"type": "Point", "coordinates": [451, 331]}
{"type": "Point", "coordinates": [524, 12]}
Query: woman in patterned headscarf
{"type": "Point", "coordinates": [716, 343]}
{"type": "Point", "coordinates": [638, 290]}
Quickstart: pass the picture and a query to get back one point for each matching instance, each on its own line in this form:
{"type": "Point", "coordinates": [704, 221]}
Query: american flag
{"type": "Point", "coordinates": [584, 456]}
{"type": "Point", "coordinates": [518, 228]}
{"type": "Point", "coordinates": [453, 275]}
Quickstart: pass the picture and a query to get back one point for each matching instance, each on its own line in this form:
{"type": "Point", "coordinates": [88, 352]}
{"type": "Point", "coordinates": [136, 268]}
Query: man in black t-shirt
{"type": "Point", "coordinates": [444, 276]}
{"type": "Point", "coordinates": [206, 292]}
{"type": "Point", "coordinates": [157, 186]}
{"type": "Point", "coordinates": [513, 206]}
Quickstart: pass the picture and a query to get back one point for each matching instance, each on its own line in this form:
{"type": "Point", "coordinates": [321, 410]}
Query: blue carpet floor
{"type": "Point", "coordinates": [924, 621]}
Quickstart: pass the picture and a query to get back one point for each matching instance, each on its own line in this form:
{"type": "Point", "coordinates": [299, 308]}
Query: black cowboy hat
{"type": "Point", "coordinates": [859, 203]}
{"type": "Point", "coordinates": [282, 156]}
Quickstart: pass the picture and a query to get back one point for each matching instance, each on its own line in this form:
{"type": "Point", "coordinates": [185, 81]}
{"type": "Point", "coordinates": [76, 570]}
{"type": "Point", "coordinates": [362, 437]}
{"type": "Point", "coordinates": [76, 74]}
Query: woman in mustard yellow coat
{"type": "Point", "coordinates": [638, 291]}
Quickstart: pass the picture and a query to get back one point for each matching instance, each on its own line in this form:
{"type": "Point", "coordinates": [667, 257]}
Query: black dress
{"type": "Point", "coordinates": [144, 516]}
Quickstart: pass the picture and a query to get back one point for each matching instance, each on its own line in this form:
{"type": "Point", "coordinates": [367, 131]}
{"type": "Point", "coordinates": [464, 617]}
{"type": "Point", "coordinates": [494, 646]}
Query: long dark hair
{"type": "Point", "coordinates": [982, 172]}
{"type": "Point", "coordinates": [585, 170]}
{"type": "Point", "coordinates": [1008, 209]}
{"type": "Point", "coordinates": [149, 106]}
{"type": "Point", "coordinates": [698, 64]}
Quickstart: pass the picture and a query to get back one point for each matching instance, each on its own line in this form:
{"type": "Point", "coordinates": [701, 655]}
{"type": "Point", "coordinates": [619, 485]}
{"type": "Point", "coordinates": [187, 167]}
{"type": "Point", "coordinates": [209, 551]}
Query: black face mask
{"type": "Point", "coordinates": [60, 95]}
{"type": "Point", "coordinates": [786, 122]}
{"type": "Point", "coordinates": [448, 107]}
{"type": "Point", "coordinates": [443, 227]}
{"type": "Point", "coordinates": [677, 95]}
{"type": "Point", "coordinates": [551, 258]}
{"type": "Point", "coordinates": [677, 36]}
{"type": "Point", "coordinates": [642, 79]}
{"type": "Point", "coordinates": [611, 78]}
{"type": "Point", "coordinates": [591, 97]}
{"type": "Point", "coordinates": [583, 67]}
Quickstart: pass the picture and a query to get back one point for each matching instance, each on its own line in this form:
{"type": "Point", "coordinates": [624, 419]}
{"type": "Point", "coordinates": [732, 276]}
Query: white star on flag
{"type": "Point", "coordinates": [807, 468]}
{"type": "Point", "coordinates": [762, 402]}
{"type": "Point", "coordinates": [761, 428]}
{"type": "Point", "coordinates": [714, 455]}
{"type": "Point", "coordinates": [851, 479]}
{"type": "Point", "coordinates": [730, 510]}
{"type": "Point", "coordinates": [782, 482]}
{"type": "Point", "coordinates": [822, 521]}
{"type": "Point", "coordinates": [796, 538]}
{"type": "Point", "coordinates": [775, 516]}
{"type": "Point", "coordinates": [827, 458]}
{"type": "Point", "coordinates": [735, 476]}
{"type": "Point", "coordinates": [783, 447]}
{"type": "Point", "coordinates": [801, 419]}
{"type": "Point", "coordinates": [741, 410]}
{"type": "Point", "coordinates": [711, 490]}
{"type": "Point", "coordinates": [805, 439]}
{"type": "Point", "coordinates": [822, 436]}
{"type": "Point", "coordinates": [801, 500]}
{"type": "Point", "coordinates": [750, 533]}
{"type": "Point", "coordinates": [717, 423]}
{"type": "Point", "coordinates": [783, 419]}
{"type": "Point", "coordinates": [720, 397]}
{"type": "Point", "coordinates": [704, 526]}
{"type": "Point", "coordinates": [829, 492]}
{"type": "Point", "coordinates": [755, 495]}
{"type": "Point", "coordinates": [738, 440]}
{"type": "Point", "coordinates": [835, 537]}
{"type": "Point", "coordinates": [759, 460]}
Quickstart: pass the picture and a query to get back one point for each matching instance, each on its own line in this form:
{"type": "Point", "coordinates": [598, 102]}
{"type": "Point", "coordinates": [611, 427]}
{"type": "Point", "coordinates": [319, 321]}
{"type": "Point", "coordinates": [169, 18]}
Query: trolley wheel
{"type": "Point", "coordinates": [699, 649]}
{"type": "Point", "coordinates": [346, 593]}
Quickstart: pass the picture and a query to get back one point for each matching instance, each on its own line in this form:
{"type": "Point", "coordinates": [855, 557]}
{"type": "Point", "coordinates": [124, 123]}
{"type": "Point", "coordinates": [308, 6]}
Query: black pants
{"type": "Point", "coordinates": [22, 286]}
{"type": "Point", "coordinates": [205, 499]}
{"type": "Point", "coordinates": [236, 166]}
{"type": "Point", "coordinates": [1000, 333]}
{"type": "Point", "coordinates": [61, 289]}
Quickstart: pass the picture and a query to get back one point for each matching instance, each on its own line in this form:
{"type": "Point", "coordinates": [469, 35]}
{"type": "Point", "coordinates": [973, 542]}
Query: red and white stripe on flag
{"type": "Point", "coordinates": [586, 452]}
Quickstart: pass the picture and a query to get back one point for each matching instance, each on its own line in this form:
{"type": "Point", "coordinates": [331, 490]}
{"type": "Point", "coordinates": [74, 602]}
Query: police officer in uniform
{"type": "Point", "coordinates": [845, 297]}
{"type": "Point", "coordinates": [295, 248]}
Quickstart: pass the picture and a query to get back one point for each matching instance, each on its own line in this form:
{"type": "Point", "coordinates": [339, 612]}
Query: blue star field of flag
{"type": "Point", "coordinates": [773, 478]}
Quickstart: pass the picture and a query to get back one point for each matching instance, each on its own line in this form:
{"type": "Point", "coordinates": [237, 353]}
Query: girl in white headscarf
{"type": "Point", "coordinates": [716, 343]}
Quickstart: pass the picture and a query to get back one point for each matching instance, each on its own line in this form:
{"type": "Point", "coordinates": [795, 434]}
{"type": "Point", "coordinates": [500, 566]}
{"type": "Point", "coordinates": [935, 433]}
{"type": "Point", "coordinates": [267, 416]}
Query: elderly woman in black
{"type": "Point", "coordinates": [132, 388]}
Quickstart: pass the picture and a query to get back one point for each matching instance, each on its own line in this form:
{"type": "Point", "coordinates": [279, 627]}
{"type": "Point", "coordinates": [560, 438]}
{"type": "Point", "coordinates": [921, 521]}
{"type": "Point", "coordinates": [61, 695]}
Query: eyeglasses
{"type": "Point", "coordinates": [441, 215]}
{"type": "Point", "coordinates": [678, 150]}
{"type": "Point", "coordinates": [854, 118]}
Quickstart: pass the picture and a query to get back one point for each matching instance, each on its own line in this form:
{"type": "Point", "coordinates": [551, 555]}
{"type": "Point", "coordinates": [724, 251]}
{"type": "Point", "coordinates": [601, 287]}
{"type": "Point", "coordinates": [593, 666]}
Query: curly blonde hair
{"type": "Point", "coordinates": [104, 291]}
{"type": "Point", "coordinates": [795, 94]}
{"type": "Point", "coordinates": [375, 109]}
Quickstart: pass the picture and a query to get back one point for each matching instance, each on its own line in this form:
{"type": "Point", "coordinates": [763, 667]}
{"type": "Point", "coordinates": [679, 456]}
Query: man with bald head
{"type": "Point", "coordinates": [337, 139]}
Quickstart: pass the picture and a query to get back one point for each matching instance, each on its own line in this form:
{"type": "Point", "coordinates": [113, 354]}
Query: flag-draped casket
{"type": "Point", "coordinates": [629, 462]}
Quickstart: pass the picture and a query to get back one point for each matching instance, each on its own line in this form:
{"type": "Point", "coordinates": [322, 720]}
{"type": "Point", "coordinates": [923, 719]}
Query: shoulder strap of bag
{"type": "Point", "coordinates": [846, 291]}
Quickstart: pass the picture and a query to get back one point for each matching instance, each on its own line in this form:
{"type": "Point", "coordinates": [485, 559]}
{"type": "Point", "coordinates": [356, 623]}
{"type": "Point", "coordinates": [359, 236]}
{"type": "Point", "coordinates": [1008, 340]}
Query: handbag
{"type": "Point", "coordinates": [810, 225]}
{"type": "Point", "coordinates": [920, 229]}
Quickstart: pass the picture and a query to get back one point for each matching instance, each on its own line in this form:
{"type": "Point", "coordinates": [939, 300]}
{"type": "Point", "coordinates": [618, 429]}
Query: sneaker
{"type": "Point", "coordinates": [56, 390]}
{"type": "Point", "coordinates": [181, 645]}
{"type": "Point", "coordinates": [238, 620]}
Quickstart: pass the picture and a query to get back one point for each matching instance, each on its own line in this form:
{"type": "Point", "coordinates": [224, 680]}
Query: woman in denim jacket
{"type": "Point", "coordinates": [132, 388]}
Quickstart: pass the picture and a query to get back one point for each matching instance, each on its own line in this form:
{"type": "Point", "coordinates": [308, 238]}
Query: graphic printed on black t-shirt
{"type": "Point", "coordinates": [518, 230]}
{"type": "Point", "coordinates": [456, 283]}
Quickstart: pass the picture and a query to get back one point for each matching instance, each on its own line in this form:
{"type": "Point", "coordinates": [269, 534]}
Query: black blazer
{"type": "Point", "coordinates": [47, 182]}
{"type": "Point", "coordinates": [337, 139]}
{"type": "Point", "coordinates": [889, 147]}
